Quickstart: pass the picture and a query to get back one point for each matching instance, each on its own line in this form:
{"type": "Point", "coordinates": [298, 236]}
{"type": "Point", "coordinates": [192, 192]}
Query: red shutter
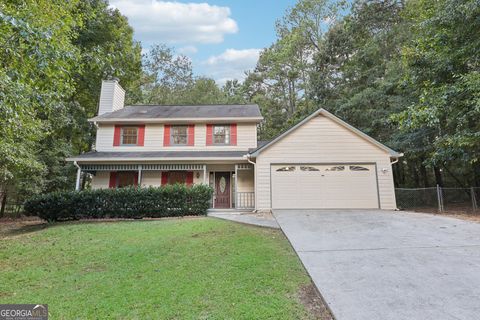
{"type": "Point", "coordinates": [166, 135]}
{"type": "Point", "coordinates": [116, 135]}
{"type": "Point", "coordinates": [141, 135]}
{"type": "Point", "coordinates": [191, 135]}
{"type": "Point", "coordinates": [233, 134]}
{"type": "Point", "coordinates": [135, 181]}
{"type": "Point", "coordinates": [164, 178]}
{"type": "Point", "coordinates": [189, 178]}
{"type": "Point", "coordinates": [113, 180]}
{"type": "Point", "coordinates": [209, 135]}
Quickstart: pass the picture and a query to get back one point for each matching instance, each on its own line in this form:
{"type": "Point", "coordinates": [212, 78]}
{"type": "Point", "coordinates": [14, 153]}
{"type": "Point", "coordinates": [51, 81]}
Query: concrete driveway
{"type": "Point", "coordinates": [389, 265]}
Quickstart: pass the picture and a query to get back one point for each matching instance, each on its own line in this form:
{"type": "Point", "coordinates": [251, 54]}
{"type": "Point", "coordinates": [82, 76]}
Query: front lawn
{"type": "Point", "coordinates": [198, 268]}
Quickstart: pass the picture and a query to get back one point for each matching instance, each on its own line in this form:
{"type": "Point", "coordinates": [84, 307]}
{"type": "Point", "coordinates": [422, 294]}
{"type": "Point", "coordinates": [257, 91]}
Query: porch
{"type": "Point", "coordinates": [233, 183]}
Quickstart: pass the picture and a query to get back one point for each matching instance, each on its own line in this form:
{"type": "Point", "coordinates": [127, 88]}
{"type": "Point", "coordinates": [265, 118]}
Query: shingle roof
{"type": "Point", "coordinates": [94, 155]}
{"type": "Point", "coordinates": [186, 111]}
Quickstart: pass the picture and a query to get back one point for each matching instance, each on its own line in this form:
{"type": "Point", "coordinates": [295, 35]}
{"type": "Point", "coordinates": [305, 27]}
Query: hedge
{"type": "Point", "coordinates": [166, 201]}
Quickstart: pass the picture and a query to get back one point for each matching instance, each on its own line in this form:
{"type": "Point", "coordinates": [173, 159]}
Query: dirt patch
{"type": "Point", "coordinates": [314, 303]}
{"type": "Point", "coordinates": [13, 227]}
{"type": "Point", "coordinates": [459, 214]}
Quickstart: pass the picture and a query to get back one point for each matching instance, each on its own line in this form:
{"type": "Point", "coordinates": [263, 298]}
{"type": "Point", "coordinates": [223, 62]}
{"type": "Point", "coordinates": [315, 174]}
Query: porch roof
{"type": "Point", "coordinates": [159, 155]}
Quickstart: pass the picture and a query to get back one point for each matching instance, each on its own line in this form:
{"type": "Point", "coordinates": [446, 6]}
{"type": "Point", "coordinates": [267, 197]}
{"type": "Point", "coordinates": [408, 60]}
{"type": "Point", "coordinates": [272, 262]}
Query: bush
{"type": "Point", "coordinates": [166, 201]}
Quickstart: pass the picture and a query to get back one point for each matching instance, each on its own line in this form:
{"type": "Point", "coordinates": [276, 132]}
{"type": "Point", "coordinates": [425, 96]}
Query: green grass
{"type": "Point", "coordinates": [171, 269]}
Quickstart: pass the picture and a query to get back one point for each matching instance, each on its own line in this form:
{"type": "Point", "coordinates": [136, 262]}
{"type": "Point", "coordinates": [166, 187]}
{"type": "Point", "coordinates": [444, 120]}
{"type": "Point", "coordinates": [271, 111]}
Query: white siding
{"type": "Point", "coordinates": [245, 182]}
{"type": "Point", "coordinates": [101, 180]}
{"type": "Point", "coordinates": [112, 97]}
{"type": "Point", "coordinates": [246, 138]}
{"type": "Point", "coordinates": [151, 178]}
{"type": "Point", "coordinates": [322, 140]}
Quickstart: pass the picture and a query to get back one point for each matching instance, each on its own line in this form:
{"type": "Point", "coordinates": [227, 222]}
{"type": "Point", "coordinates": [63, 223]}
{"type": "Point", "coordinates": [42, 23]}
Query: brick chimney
{"type": "Point", "coordinates": [112, 97]}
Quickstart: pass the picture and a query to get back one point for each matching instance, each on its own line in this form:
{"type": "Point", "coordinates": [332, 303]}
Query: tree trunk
{"type": "Point", "coordinates": [416, 177]}
{"type": "Point", "coordinates": [476, 174]}
{"type": "Point", "coordinates": [438, 176]}
{"type": "Point", "coordinates": [3, 204]}
{"type": "Point", "coordinates": [424, 174]}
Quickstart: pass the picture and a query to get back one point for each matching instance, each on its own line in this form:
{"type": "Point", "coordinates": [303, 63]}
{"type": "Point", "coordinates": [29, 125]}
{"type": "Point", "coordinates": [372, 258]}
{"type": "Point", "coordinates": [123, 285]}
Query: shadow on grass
{"type": "Point", "coordinates": [9, 229]}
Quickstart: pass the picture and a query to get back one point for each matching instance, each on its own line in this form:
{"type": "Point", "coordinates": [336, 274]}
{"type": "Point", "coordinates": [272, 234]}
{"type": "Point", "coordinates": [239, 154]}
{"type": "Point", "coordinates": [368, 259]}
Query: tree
{"type": "Point", "coordinates": [442, 67]}
{"type": "Point", "coordinates": [36, 55]}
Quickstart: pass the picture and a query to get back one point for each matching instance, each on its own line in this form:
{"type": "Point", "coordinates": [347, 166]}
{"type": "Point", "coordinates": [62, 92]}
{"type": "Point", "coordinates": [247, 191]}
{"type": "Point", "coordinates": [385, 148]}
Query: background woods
{"type": "Point", "coordinates": [405, 72]}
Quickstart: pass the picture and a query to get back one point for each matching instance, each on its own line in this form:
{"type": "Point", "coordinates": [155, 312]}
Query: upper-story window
{"type": "Point", "coordinates": [179, 135]}
{"type": "Point", "coordinates": [129, 136]}
{"type": "Point", "coordinates": [221, 134]}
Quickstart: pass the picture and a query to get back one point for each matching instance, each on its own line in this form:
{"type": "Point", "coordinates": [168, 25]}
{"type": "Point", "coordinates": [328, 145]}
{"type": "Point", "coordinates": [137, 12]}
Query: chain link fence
{"type": "Point", "coordinates": [439, 199]}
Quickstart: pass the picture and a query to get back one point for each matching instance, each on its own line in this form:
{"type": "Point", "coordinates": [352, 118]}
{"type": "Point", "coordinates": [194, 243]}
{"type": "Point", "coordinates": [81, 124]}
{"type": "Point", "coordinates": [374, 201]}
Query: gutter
{"type": "Point", "coordinates": [171, 159]}
{"type": "Point", "coordinates": [79, 173]}
{"type": "Point", "coordinates": [99, 119]}
{"type": "Point", "coordinates": [396, 158]}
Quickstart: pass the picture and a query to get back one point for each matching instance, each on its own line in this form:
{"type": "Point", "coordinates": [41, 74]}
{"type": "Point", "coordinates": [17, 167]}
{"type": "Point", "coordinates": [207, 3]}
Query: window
{"type": "Point", "coordinates": [177, 177]}
{"type": "Point", "coordinates": [336, 168]}
{"type": "Point", "coordinates": [129, 135]}
{"type": "Point", "coordinates": [179, 135]}
{"type": "Point", "coordinates": [221, 134]}
{"type": "Point", "coordinates": [125, 179]}
{"type": "Point", "coordinates": [286, 169]}
{"type": "Point", "coordinates": [307, 168]}
{"type": "Point", "coordinates": [358, 168]}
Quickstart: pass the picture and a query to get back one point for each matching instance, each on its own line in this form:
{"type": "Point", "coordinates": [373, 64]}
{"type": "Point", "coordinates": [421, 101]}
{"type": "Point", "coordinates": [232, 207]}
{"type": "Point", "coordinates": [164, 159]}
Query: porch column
{"type": "Point", "coordinates": [204, 174]}
{"type": "Point", "coordinates": [139, 182]}
{"type": "Point", "coordinates": [236, 185]}
{"type": "Point", "coordinates": [79, 174]}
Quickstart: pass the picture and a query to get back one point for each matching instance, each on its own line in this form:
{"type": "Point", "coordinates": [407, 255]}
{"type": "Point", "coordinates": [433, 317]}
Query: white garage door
{"type": "Point", "coordinates": [312, 186]}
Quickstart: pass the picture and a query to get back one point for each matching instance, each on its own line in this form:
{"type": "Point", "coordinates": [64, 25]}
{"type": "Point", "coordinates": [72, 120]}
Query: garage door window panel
{"type": "Point", "coordinates": [308, 168]}
{"type": "Point", "coordinates": [286, 169]}
{"type": "Point", "coordinates": [358, 168]}
{"type": "Point", "coordinates": [336, 168]}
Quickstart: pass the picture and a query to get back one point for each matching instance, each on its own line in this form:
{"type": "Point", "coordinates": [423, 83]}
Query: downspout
{"type": "Point", "coordinates": [79, 172]}
{"type": "Point", "coordinates": [247, 156]}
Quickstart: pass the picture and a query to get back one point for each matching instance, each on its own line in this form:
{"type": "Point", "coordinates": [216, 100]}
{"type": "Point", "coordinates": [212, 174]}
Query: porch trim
{"type": "Point", "coordinates": [143, 167]}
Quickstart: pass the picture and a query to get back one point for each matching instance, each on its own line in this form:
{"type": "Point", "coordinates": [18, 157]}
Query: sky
{"type": "Point", "coordinates": [222, 38]}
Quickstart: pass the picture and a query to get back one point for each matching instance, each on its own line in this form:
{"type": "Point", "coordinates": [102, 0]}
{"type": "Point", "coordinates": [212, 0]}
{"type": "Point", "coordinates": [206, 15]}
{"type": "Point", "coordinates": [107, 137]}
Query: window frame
{"type": "Point", "coordinates": [228, 134]}
{"type": "Point", "coordinates": [172, 129]}
{"type": "Point", "coordinates": [124, 173]}
{"type": "Point", "coordinates": [183, 175]}
{"type": "Point", "coordinates": [122, 136]}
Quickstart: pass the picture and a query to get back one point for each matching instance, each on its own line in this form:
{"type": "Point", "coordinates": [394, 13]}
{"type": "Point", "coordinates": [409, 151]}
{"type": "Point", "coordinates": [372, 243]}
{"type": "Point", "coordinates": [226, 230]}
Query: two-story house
{"type": "Point", "coordinates": [322, 162]}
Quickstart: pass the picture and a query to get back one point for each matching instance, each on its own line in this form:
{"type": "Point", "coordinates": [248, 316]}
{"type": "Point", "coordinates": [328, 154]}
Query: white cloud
{"type": "Point", "coordinates": [231, 64]}
{"type": "Point", "coordinates": [188, 50]}
{"type": "Point", "coordinates": [174, 22]}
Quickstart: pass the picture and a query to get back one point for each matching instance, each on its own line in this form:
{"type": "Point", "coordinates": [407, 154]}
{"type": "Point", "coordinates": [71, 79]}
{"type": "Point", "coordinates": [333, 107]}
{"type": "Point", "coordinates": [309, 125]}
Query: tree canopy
{"type": "Point", "coordinates": [405, 72]}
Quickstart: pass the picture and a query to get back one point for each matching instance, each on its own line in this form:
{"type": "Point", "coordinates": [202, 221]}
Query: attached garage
{"type": "Point", "coordinates": [324, 186]}
{"type": "Point", "coordinates": [324, 163]}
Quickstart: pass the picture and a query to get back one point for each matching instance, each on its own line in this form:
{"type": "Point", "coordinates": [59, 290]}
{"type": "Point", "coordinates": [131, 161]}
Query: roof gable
{"type": "Point", "coordinates": [335, 119]}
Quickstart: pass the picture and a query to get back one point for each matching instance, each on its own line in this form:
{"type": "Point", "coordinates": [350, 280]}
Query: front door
{"type": "Point", "coordinates": [222, 189]}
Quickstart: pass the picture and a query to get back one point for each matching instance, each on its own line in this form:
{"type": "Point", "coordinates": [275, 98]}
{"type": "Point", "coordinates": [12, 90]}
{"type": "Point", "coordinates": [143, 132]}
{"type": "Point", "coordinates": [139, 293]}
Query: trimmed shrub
{"type": "Point", "coordinates": [166, 201]}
